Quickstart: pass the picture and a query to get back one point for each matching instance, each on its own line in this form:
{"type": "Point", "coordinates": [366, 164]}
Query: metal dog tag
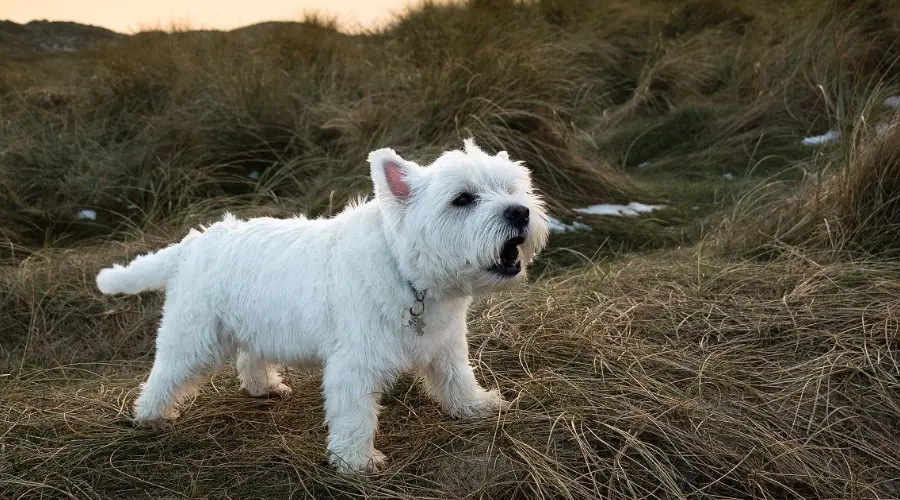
{"type": "Point", "coordinates": [417, 323]}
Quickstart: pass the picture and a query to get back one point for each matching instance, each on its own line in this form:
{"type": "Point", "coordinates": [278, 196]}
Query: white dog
{"type": "Point", "coordinates": [380, 289]}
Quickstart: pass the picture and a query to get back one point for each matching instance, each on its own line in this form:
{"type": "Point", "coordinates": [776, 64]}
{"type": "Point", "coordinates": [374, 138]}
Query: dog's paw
{"type": "Point", "coordinates": [282, 391]}
{"type": "Point", "coordinates": [377, 462]}
{"type": "Point", "coordinates": [482, 405]}
{"type": "Point", "coordinates": [155, 421]}
{"type": "Point", "coordinates": [156, 424]}
{"type": "Point", "coordinates": [355, 463]}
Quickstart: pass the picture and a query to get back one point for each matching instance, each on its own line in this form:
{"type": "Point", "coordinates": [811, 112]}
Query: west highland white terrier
{"type": "Point", "coordinates": [380, 289]}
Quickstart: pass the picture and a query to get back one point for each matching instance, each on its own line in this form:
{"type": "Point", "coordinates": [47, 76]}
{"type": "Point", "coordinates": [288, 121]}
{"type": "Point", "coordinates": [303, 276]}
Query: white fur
{"type": "Point", "coordinates": [335, 292]}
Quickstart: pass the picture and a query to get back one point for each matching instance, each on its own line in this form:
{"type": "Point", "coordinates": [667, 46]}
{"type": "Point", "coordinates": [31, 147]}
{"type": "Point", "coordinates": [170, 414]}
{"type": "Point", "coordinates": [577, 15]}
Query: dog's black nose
{"type": "Point", "coordinates": [517, 215]}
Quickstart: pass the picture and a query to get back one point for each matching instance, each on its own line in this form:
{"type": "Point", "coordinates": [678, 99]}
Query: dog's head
{"type": "Point", "coordinates": [470, 222]}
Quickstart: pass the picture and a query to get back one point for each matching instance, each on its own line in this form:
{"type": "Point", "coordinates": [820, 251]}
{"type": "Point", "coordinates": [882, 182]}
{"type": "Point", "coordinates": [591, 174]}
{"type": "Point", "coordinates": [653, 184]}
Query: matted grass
{"type": "Point", "coordinates": [678, 376]}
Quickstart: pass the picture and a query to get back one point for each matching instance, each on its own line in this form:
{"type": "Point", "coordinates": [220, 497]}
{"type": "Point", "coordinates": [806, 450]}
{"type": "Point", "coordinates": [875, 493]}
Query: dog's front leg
{"type": "Point", "coordinates": [352, 395]}
{"type": "Point", "coordinates": [450, 380]}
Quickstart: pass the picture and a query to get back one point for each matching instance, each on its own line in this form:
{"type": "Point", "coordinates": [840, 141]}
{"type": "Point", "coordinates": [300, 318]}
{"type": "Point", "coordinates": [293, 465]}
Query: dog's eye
{"type": "Point", "coordinates": [464, 199]}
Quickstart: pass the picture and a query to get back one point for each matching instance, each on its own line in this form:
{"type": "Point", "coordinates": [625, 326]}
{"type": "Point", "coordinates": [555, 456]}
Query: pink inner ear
{"type": "Point", "coordinates": [396, 180]}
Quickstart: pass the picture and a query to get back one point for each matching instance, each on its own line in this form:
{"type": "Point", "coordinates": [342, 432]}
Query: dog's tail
{"type": "Point", "coordinates": [146, 272]}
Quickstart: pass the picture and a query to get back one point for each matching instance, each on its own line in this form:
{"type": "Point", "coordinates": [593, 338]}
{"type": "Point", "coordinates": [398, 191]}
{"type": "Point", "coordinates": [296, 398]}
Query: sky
{"type": "Point", "coordinates": [129, 16]}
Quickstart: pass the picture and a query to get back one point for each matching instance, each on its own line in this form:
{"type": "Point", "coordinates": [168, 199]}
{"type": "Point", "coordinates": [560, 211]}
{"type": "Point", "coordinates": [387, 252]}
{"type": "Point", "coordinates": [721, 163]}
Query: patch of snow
{"type": "Point", "coordinates": [640, 207]}
{"type": "Point", "coordinates": [558, 226]}
{"type": "Point", "coordinates": [65, 44]}
{"type": "Point", "coordinates": [87, 214]}
{"type": "Point", "coordinates": [646, 164]}
{"type": "Point", "coordinates": [604, 210]}
{"type": "Point", "coordinates": [892, 102]}
{"type": "Point", "coordinates": [728, 176]}
{"type": "Point", "coordinates": [633, 208]}
{"type": "Point", "coordinates": [254, 175]}
{"type": "Point", "coordinates": [828, 137]}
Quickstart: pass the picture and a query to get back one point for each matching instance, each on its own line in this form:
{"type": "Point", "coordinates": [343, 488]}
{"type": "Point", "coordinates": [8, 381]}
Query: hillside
{"type": "Point", "coordinates": [51, 37]}
{"type": "Point", "coordinates": [739, 340]}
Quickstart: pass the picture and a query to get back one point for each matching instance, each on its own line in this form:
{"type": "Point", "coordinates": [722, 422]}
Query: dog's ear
{"type": "Point", "coordinates": [391, 174]}
{"type": "Point", "coordinates": [470, 147]}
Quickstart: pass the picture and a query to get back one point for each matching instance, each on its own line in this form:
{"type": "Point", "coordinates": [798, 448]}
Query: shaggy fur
{"type": "Point", "coordinates": [338, 293]}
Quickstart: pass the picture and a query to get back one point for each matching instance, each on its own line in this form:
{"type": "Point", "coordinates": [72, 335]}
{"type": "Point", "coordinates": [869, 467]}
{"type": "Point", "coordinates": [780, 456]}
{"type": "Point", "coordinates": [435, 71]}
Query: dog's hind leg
{"type": "Point", "coordinates": [188, 348]}
{"type": "Point", "coordinates": [259, 378]}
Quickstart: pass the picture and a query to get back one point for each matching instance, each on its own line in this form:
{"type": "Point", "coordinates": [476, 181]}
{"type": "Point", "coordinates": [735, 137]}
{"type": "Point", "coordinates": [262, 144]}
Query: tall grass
{"type": "Point", "coordinates": [849, 203]}
{"type": "Point", "coordinates": [283, 114]}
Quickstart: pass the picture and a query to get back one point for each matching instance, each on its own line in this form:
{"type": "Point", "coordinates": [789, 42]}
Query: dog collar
{"type": "Point", "coordinates": [416, 321]}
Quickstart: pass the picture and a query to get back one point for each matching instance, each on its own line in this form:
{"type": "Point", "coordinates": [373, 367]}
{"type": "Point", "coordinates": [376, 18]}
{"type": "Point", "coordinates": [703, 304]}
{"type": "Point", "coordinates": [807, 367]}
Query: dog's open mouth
{"type": "Point", "coordinates": [509, 264]}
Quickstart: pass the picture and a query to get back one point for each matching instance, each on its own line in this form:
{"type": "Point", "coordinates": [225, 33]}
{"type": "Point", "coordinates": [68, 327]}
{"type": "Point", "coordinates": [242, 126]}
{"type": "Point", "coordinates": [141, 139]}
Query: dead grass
{"type": "Point", "coordinates": [650, 359]}
{"type": "Point", "coordinates": [144, 129]}
{"type": "Point", "coordinates": [667, 376]}
{"type": "Point", "coordinates": [848, 204]}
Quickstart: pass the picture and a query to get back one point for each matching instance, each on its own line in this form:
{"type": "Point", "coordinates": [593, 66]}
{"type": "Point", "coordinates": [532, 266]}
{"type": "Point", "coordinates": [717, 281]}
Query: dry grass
{"type": "Point", "coordinates": [667, 376]}
{"type": "Point", "coordinates": [686, 372]}
{"type": "Point", "coordinates": [851, 203]}
{"type": "Point", "coordinates": [145, 129]}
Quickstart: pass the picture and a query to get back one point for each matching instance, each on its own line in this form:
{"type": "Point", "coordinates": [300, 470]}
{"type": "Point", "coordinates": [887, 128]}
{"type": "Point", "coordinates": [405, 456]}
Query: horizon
{"type": "Point", "coordinates": [208, 14]}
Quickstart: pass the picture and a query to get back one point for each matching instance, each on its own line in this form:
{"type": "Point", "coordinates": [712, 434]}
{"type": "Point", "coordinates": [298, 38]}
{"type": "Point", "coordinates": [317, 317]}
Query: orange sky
{"type": "Point", "coordinates": [128, 16]}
